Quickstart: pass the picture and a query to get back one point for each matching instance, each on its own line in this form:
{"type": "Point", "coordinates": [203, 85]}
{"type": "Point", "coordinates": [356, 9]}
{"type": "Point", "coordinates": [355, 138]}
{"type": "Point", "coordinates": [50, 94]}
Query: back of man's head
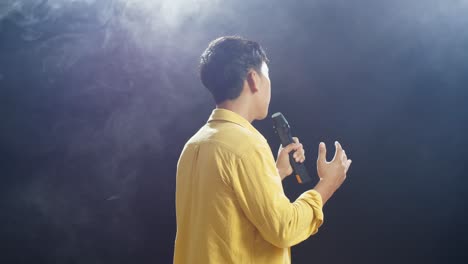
{"type": "Point", "coordinates": [225, 63]}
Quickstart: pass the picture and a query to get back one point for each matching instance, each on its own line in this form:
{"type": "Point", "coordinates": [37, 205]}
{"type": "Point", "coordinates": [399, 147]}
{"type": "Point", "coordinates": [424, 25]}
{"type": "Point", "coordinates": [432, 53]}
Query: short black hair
{"type": "Point", "coordinates": [225, 63]}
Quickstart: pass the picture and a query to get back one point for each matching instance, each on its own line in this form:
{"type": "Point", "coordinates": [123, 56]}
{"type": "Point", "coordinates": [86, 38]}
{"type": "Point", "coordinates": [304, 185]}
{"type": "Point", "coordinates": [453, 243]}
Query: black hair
{"type": "Point", "coordinates": [225, 63]}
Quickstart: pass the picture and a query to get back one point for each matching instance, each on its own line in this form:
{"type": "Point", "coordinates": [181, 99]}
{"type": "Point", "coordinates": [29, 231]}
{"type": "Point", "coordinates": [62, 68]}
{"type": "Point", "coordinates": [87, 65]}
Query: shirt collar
{"type": "Point", "coordinates": [221, 114]}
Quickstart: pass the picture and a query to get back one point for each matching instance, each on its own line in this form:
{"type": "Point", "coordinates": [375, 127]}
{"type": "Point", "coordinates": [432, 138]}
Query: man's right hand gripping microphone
{"type": "Point", "coordinates": [283, 130]}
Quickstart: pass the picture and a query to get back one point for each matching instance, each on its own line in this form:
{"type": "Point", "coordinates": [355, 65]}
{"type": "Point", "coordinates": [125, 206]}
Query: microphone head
{"type": "Point", "coordinates": [279, 121]}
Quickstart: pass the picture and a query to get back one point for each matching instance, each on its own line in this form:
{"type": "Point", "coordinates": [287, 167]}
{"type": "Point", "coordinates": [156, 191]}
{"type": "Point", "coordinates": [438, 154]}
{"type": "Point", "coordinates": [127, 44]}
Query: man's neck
{"type": "Point", "coordinates": [238, 108]}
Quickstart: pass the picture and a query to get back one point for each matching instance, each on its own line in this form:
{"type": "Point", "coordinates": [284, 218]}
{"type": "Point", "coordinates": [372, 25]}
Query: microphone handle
{"type": "Point", "coordinates": [299, 168]}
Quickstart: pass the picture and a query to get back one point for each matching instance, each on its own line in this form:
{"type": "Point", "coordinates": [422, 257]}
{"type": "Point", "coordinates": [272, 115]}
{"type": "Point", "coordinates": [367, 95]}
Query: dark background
{"type": "Point", "coordinates": [97, 99]}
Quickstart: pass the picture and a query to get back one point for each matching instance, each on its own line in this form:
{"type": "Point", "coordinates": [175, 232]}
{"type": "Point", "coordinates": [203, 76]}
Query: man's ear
{"type": "Point", "coordinates": [252, 80]}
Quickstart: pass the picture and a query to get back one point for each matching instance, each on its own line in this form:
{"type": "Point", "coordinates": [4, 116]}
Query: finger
{"type": "Point", "coordinates": [302, 159]}
{"type": "Point", "coordinates": [322, 152]}
{"type": "Point", "coordinates": [292, 147]}
{"type": "Point", "coordinates": [288, 147]}
{"type": "Point", "coordinates": [338, 150]}
{"type": "Point", "coordinates": [348, 164]}
{"type": "Point", "coordinates": [344, 158]}
{"type": "Point", "coordinates": [299, 149]}
{"type": "Point", "coordinates": [299, 154]}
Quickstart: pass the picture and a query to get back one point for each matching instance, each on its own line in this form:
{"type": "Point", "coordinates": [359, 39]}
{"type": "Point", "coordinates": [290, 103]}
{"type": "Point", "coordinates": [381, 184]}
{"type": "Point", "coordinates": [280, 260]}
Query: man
{"type": "Point", "coordinates": [230, 204]}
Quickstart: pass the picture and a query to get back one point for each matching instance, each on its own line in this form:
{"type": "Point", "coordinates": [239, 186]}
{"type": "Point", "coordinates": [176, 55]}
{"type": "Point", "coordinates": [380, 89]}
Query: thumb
{"type": "Point", "coordinates": [322, 153]}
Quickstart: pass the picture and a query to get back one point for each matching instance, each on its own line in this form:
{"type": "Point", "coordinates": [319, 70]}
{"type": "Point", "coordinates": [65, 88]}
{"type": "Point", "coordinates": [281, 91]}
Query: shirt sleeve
{"type": "Point", "coordinates": [260, 193]}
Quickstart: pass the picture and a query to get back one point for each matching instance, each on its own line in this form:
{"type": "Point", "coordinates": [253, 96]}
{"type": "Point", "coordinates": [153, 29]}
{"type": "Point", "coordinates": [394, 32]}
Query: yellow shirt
{"type": "Point", "coordinates": [230, 203]}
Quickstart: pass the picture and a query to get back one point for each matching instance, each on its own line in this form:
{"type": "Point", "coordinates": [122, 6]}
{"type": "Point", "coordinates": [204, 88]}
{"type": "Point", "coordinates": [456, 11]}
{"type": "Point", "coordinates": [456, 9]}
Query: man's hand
{"type": "Point", "coordinates": [282, 162]}
{"type": "Point", "coordinates": [332, 174]}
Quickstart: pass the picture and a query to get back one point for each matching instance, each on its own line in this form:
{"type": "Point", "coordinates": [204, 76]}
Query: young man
{"type": "Point", "coordinates": [230, 204]}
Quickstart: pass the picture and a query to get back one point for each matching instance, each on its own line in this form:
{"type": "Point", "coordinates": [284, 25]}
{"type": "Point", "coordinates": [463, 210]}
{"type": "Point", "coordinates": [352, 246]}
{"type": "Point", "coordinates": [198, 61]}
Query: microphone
{"type": "Point", "coordinates": [282, 128]}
